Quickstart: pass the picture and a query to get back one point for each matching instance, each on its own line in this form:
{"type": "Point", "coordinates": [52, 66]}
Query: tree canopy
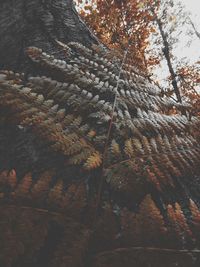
{"type": "Point", "coordinates": [149, 31]}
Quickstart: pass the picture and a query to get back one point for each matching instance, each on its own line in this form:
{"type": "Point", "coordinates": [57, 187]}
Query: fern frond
{"type": "Point", "coordinates": [195, 216]}
{"type": "Point", "coordinates": [42, 185]}
{"type": "Point", "coordinates": [76, 147]}
{"type": "Point", "coordinates": [181, 220]}
{"type": "Point", "coordinates": [91, 134]}
{"type": "Point", "coordinates": [138, 145]}
{"type": "Point", "coordinates": [93, 161]}
{"type": "Point", "coordinates": [128, 148]}
{"type": "Point", "coordinates": [56, 193]}
{"type": "Point", "coordinates": [115, 148]}
{"type": "Point", "coordinates": [24, 186]}
{"type": "Point", "coordinates": [81, 157]}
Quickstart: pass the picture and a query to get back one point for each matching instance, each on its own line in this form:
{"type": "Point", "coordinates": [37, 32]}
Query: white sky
{"type": "Point", "coordinates": [192, 52]}
{"type": "Point", "coordinates": [193, 6]}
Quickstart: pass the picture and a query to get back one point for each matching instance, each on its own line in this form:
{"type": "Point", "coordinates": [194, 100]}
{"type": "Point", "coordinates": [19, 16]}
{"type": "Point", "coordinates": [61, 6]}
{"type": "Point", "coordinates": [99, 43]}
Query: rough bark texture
{"type": "Point", "coordinates": [53, 138]}
{"type": "Point", "coordinates": [38, 23]}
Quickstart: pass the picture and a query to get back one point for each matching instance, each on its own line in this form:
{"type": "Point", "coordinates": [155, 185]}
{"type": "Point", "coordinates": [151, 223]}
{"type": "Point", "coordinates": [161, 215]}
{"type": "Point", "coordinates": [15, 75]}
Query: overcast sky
{"type": "Point", "coordinates": [192, 52]}
{"type": "Point", "coordinates": [194, 7]}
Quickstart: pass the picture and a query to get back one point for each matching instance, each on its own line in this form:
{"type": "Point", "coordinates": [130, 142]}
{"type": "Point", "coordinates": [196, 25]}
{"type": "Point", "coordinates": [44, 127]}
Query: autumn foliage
{"type": "Point", "coordinates": [189, 78]}
{"type": "Point", "coordinates": [129, 26]}
{"type": "Point", "coordinates": [121, 24]}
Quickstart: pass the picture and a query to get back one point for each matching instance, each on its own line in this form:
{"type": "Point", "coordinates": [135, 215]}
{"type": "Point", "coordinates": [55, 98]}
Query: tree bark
{"type": "Point", "coordinates": [166, 52]}
{"type": "Point", "coordinates": [38, 23]}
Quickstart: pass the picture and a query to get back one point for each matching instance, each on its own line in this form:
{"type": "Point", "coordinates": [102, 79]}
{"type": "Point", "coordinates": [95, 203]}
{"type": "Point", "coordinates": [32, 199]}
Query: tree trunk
{"type": "Point", "coordinates": [166, 52]}
{"type": "Point", "coordinates": [38, 23]}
